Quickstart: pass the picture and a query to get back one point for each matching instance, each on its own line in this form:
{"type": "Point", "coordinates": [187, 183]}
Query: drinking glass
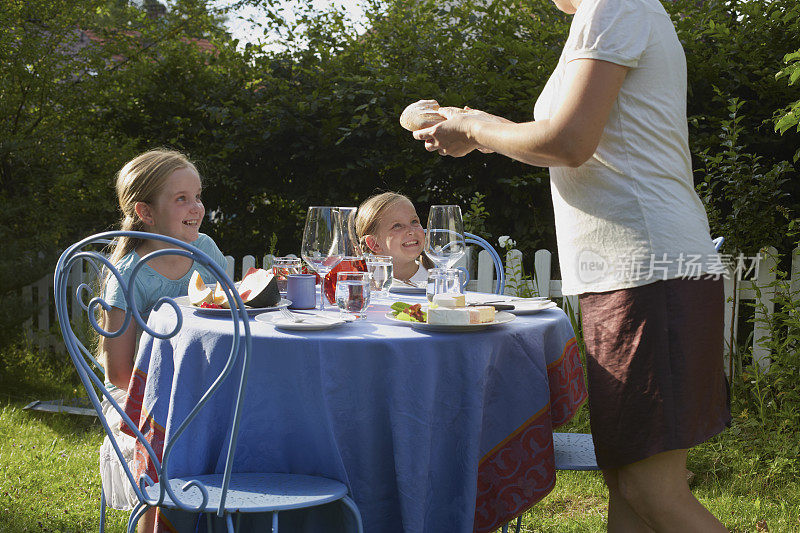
{"type": "Point", "coordinates": [323, 246]}
{"type": "Point", "coordinates": [445, 280]}
{"type": "Point", "coordinates": [444, 240]}
{"type": "Point", "coordinates": [282, 267]}
{"type": "Point", "coordinates": [353, 259]}
{"type": "Point", "coordinates": [380, 268]}
{"type": "Point", "coordinates": [353, 292]}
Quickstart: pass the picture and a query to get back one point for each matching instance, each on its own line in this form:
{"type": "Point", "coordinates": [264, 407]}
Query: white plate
{"type": "Point", "coordinates": [501, 317]}
{"type": "Point", "coordinates": [529, 307]}
{"type": "Point", "coordinates": [184, 301]}
{"type": "Point", "coordinates": [309, 323]}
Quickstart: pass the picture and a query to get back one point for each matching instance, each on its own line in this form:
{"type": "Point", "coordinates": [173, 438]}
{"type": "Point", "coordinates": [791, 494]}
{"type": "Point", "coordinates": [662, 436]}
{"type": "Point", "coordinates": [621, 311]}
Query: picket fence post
{"type": "Point", "coordinates": [542, 266]}
{"type": "Point", "coordinates": [44, 287]}
{"type": "Point", "coordinates": [248, 262]}
{"type": "Point", "coordinates": [513, 272]}
{"type": "Point", "coordinates": [730, 322]}
{"type": "Point", "coordinates": [485, 272]}
{"type": "Point", "coordinates": [764, 281]}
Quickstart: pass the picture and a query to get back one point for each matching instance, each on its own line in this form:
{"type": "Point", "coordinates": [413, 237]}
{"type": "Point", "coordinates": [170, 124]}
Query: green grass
{"type": "Point", "coordinates": [49, 480]}
{"type": "Point", "coordinates": [49, 474]}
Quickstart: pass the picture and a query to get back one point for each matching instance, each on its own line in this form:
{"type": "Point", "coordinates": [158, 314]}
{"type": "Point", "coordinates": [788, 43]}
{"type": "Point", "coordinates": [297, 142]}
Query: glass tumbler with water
{"type": "Point", "coordinates": [353, 292]}
{"type": "Point", "coordinates": [380, 271]}
{"type": "Point", "coordinates": [283, 267]}
{"type": "Point", "coordinates": [445, 280]}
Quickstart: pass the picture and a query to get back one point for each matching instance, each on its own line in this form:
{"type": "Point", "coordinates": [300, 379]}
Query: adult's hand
{"type": "Point", "coordinates": [568, 138]}
{"type": "Point", "coordinates": [453, 136]}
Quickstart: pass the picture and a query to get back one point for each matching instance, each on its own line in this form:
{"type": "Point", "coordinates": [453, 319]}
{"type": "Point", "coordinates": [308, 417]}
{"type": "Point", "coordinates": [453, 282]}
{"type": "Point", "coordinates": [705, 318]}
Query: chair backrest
{"type": "Point", "coordinates": [498, 263]}
{"type": "Point", "coordinates": [83, 360]}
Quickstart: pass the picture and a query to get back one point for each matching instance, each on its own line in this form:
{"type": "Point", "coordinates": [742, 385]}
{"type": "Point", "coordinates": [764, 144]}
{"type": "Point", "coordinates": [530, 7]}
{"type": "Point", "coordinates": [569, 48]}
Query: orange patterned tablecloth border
{"type": "Point", "coordinates": [520, 470]}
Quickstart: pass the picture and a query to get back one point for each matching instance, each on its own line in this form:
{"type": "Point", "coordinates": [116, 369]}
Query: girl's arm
{"type": "Point", "coordinates": [569, 138]}
{"type": "Point", "coordinates": [118, 352]}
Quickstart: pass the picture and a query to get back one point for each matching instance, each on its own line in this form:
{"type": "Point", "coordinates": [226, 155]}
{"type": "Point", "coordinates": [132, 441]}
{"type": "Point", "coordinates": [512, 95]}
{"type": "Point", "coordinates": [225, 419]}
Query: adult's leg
{"type": "Point", "coordinates": [621, 516]}
{"type": "Point", "coordinates": [657, 490]}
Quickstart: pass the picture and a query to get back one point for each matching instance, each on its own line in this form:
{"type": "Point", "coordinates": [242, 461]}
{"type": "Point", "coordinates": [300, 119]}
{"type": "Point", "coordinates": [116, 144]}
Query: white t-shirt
{"type": "Point", "coordinates": [629, 215]}
{"type": "Point", "coordinates": [420, 276]}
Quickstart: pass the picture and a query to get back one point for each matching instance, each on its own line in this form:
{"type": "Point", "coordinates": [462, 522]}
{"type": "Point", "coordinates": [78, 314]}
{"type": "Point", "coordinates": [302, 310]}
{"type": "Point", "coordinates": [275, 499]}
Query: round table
{"type": "Point", "coordinates": [430, 431]}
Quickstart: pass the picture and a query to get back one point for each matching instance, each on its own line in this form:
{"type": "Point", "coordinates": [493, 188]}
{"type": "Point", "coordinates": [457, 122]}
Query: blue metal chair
{"type": "Point", "coordinates": [223, 494]}
{"type": "Point", "coordinates": [498, 263]}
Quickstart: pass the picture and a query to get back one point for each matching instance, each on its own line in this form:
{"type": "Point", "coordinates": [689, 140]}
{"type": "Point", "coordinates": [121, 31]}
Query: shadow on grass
{"type": "Point", "coordinates": [74, 426]}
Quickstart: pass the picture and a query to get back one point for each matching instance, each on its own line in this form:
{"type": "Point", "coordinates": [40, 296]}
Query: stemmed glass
{"type": "Point", "coordinates": [323, 246]}
{"type": "Point", "coordinates": [444, 241]}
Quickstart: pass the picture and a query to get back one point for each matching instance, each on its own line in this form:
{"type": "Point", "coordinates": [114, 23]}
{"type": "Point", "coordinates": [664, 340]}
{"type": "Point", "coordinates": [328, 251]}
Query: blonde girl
{"type": "Point", "coordinates": [159, 192]}
{"type": "Point", "coordinates": [387, 224]}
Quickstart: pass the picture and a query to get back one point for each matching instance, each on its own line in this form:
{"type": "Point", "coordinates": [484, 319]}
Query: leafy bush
{"type": "Point", "coordinates": [315, 122]}
{"type": "Point", "coordinates": [789, 116]}
{"type": "Point", "coordinates": [745, 199]}
{"type": "Point", "coordinates": [767, 401]}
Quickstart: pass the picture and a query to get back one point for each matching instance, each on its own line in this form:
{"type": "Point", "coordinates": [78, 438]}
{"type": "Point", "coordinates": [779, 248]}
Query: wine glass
{"type": "Point", "coordinates": [444, 240]}
{"type": "Point", "coordinates": [323, 245]}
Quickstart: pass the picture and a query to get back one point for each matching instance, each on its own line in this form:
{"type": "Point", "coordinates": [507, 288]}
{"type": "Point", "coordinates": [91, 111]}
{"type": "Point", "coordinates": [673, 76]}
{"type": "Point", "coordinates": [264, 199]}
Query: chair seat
{"type": "Point", "coordinates": [574, 451]}
{"type": "Point", "coordinates": [256, 493]}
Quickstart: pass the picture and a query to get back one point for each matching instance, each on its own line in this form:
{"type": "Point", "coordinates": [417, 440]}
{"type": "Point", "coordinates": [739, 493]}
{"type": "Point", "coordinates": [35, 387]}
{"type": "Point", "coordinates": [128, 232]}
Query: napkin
{"type": "Point", "coordinates": [520, 304]}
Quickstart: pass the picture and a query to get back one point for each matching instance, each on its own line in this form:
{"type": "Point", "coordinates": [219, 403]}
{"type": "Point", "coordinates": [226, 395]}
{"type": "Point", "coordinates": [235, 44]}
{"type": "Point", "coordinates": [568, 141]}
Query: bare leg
{"type": "Point", "coordinates": [657, 490]}
{"type": "Point", "coordinates": [147, 523]}
{"type": "Point", "coordinates": [621, 517]}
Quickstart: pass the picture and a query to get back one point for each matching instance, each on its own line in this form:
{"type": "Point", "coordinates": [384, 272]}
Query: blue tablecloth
{"type": "Point", "coordinates": [431, 432]}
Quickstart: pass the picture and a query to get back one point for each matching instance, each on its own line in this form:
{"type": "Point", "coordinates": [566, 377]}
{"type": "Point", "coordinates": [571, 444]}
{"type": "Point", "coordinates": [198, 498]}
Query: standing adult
{"type": "Point", "coordinates": [633, 242]}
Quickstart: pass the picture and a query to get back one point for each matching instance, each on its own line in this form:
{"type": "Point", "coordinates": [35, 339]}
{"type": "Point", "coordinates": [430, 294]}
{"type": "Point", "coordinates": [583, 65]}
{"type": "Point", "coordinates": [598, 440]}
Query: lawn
{"type": "Point", "coordinates": [49, 477]}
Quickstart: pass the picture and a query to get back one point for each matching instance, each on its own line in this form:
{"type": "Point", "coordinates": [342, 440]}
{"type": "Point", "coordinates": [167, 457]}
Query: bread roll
{"type": "Point", "coordinates": [421, 114]}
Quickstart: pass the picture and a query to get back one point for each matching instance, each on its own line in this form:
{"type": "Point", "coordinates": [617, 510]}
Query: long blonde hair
{"type": "Point", "coordinates": [140, 180]}
{"type": "Point", "coordinates": [369, 214]}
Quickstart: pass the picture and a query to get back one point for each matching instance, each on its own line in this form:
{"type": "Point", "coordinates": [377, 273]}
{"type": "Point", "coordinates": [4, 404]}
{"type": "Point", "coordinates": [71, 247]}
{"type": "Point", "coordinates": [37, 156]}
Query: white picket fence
{"type": "Point", "coordinates": [42, 335]}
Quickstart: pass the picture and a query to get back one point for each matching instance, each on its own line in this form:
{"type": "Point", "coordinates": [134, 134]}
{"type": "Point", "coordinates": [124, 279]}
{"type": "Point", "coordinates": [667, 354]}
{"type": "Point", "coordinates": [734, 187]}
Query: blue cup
{"type": "Point", "coordinates": [302, 291]}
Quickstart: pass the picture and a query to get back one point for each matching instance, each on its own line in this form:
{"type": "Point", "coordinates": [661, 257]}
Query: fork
{"type": "Point", "coordinates": [288, 315]}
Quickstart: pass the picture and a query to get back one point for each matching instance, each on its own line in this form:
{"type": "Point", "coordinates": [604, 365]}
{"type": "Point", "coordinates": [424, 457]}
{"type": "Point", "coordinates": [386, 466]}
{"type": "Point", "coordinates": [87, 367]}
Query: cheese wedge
{"type": "Point", "coordinates": [450, 299]}
{"type": "Point", "coordinates": [449, 316]}
{"type": "Point", "coordinates": [480, 314]}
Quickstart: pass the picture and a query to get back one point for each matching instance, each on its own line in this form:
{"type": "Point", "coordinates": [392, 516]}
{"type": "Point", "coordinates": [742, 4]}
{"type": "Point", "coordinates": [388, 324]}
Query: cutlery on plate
{"type": "Point", "coordinates": [288, 315]}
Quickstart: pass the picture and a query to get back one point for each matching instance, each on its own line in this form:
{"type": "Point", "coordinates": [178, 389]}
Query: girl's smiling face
{"type": "Point", "coordinates": [178, 209]}
{"type": "Point", "coordinates": [399, 233]}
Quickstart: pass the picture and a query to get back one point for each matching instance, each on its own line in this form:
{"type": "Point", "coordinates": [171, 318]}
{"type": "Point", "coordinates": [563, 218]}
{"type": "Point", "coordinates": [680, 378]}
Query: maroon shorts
{"type": "Point", "coordinates": [654, 367]}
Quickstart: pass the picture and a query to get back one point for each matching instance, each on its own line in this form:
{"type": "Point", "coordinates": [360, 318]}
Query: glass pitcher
{"type": "Point", "coordinates": [353, 260]}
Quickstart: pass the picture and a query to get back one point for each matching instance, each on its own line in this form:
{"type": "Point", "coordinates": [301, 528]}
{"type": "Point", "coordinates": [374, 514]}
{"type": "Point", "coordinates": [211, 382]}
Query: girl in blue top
{"type": "Point", "coordinates": [159, 192]}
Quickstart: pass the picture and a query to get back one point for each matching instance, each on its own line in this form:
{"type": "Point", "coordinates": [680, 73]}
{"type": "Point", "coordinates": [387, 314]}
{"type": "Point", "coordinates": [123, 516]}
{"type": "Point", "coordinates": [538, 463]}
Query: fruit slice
{"type": "Point", "coordinates": [259, 288]}
{"type": "Point", "coordinates": [220, 298]}
{"type": "Point", "coordinates": [199, 293]}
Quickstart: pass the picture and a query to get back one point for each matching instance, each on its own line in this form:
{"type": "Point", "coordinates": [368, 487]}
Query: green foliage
{"type": "Point", "coordinates": [745, 199]}
{"type": "Point", "coordinates": [727, 63]}
{"type": "Point", "coordinates": [475, 216]}
{"type": "Point", "coordinates": [314, 120]}
{"type": "Point", "coordinates": [789, 117]}
{"type": "Point", "coordinates": [774, 394]}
